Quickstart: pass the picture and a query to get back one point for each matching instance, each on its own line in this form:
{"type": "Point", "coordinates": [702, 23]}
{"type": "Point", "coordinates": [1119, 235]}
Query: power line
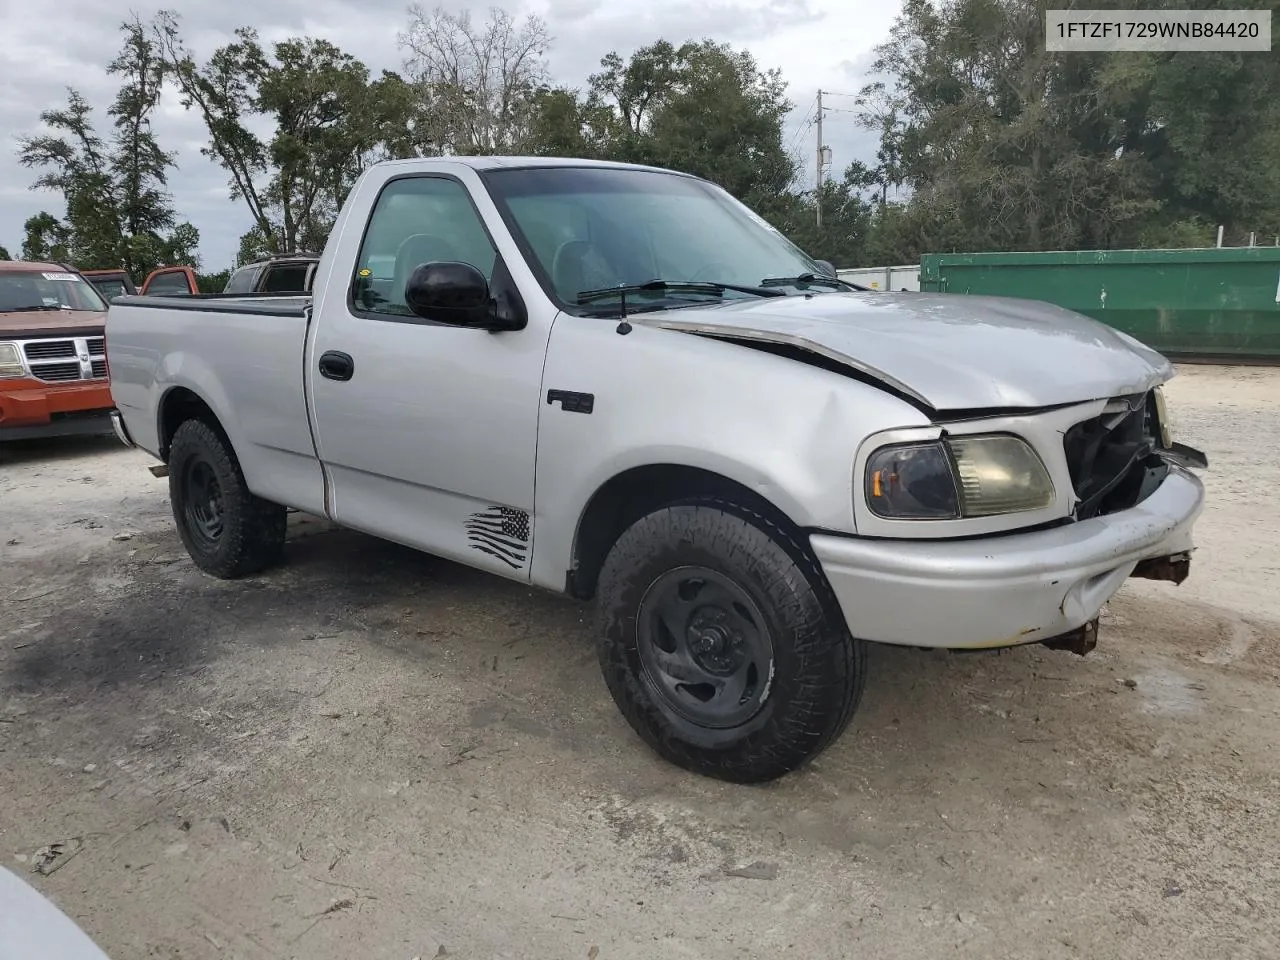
{"type": "Point", "coordinates": [803, 128]}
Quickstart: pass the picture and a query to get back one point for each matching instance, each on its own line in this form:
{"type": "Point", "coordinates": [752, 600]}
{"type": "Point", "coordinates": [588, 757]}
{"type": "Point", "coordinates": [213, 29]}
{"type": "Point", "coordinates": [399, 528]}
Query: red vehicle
{"type": "Point", "coordinates": [53, 364]}
{"type": "Point", "coordinates": [166, 281]}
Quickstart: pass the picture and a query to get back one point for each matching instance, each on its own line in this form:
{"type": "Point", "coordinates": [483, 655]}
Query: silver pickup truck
{"type": "Point", "coordinates": [620, 383]}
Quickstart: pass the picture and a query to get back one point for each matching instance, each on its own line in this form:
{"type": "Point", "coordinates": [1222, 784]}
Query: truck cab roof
{"type": "Point", "coordinates": [512, 162]}
{"type": "Point", "coordinates": [28, 266]}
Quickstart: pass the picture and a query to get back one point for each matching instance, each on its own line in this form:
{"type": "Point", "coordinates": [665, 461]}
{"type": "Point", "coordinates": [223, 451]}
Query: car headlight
{"type": "Point", "coordinates": [11, 361]}
{"type": "Point", "coordinates": [956, 478]}
{"type": "Point", "coordinates": [1162, 418]}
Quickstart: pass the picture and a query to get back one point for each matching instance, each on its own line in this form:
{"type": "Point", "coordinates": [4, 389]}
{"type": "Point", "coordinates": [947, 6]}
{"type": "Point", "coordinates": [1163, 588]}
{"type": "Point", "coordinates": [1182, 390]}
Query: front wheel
{"type": "Point", "coordinates": [721, 644]}
{"type": "Point", "coordinates": [228, 531]}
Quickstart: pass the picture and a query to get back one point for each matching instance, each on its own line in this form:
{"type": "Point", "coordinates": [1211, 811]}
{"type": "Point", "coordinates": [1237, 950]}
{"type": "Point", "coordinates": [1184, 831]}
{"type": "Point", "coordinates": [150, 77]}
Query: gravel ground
{"type": "Point", "coordinates": [373, 753]}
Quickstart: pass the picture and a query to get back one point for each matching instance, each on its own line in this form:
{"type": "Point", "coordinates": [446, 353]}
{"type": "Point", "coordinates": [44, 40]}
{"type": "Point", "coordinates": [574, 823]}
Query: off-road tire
{"type": "Point", "coordinates": [818, 667]}
{"type": "Point", "coordinates": [252, 531]}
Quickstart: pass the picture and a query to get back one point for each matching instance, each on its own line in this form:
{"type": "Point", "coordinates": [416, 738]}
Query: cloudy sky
{"type": "Point", "coordinates": [46, 47]}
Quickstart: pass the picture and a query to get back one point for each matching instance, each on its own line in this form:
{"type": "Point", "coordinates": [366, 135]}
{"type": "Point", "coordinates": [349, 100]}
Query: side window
{"type": "Point", "coordinates": [111, 288]}
{"type": "Point", "coordinates": [285, 278]}
{"type": "Point", "coordinates": [242, 280]}
{"type": "Point", "coordinates": [417, 220]}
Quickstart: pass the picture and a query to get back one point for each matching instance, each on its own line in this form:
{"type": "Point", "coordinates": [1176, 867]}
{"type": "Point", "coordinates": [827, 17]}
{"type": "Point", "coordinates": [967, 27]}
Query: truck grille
{"type": "Point", "coordinates": [1112, 458]}
{"type": "Point", "coordinates": [57, 372]}
{"type": "Point", "coordinates": [49, 349]}
{"type": "Point", "coordinates": [67, 359]}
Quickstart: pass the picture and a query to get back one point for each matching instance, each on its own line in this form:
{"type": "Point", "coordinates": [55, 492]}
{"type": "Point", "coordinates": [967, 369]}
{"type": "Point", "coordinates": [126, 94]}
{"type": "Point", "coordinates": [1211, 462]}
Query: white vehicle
{"type": "Point", "coordinates": [32, 928]}
{"type": "Point", "coordinates": [620, 383]}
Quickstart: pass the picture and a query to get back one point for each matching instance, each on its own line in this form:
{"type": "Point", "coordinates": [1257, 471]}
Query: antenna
{"type": "Point", "coordinates": [623, 327]}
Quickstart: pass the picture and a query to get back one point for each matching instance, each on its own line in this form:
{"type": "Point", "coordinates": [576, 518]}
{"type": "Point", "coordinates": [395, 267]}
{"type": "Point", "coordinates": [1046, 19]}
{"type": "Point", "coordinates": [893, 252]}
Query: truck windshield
{"type": "Point", "coordinates": [594, 227]}
{"type": "Point", "coordinates": [34, 290]}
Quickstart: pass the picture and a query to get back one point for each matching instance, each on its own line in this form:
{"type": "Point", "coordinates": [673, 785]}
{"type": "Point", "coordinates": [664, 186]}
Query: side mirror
{"type": "Point", "coordinates": [827, 267]}
{"type": "Point", "coordinates": [449, 292]}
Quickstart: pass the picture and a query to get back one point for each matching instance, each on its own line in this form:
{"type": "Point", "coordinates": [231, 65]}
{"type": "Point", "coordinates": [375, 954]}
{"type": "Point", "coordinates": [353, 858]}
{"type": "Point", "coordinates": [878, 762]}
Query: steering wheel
{"type": "Point", "coordinates": [583, 258]}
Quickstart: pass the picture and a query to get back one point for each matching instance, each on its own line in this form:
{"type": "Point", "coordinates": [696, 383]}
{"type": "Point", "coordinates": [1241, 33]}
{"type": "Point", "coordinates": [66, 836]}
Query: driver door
{"type": "Point", "coordinates": [428, 432]}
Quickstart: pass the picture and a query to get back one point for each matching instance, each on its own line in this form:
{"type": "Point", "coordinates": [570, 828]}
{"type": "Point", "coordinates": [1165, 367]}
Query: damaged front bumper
{"type": "Point", "coordinates": [1048, 585]}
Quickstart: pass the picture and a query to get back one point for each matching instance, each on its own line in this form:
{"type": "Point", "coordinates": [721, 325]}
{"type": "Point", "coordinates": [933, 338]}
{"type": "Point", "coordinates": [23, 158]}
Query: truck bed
{"type": "Point", "coordinates": [244, 357]}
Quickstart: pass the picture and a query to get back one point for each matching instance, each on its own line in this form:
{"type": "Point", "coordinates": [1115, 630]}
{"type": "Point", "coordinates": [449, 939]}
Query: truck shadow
{"type": "Point", "coordinates": [54, 449]}
{"type": "Point", "coordinates": [358, 661]}
{"type": "Point", "coordinates": [164, 618]}
{"type": "Point", "coordinates": [519, 661]}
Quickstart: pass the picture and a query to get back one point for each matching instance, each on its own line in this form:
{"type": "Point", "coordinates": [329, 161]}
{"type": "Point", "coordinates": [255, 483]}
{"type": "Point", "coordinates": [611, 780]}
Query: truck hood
{"type": "Point", "coordinates": [52, 323]}
{"type": "Point", "coordinates": [946, 351]}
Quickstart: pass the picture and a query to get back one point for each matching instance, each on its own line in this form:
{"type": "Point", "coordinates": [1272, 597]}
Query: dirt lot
{"type": "Point", "coordinates": [371, 753]}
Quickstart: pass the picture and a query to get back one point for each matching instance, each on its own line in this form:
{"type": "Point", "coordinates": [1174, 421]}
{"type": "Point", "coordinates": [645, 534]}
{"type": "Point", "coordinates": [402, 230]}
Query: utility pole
{"type": "Point", "coordinates": [817, 195]}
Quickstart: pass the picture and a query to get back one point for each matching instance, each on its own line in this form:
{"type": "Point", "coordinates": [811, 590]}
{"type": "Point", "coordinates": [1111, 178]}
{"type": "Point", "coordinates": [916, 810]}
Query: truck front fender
{"type": "Point", "coordinates": [632, 492]}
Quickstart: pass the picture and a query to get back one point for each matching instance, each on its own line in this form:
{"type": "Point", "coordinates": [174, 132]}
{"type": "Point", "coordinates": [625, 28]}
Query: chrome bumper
{"type": "Point", "coordinates": [1005, 590]}
{"type": "Point", "coordinates": [121, 431]}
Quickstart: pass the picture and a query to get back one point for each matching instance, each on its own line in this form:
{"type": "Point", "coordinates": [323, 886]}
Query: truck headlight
{"type": "Point", "coordinates": [11, 361]}
{"type": "Point", "coordinates": [1162, 418]}
{"type": "Point", "coordinates": [957, 477]}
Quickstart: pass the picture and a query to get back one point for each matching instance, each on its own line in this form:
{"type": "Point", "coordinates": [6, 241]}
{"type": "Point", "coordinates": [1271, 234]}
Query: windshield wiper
{"type": "Point", "coordinates": [811, 279]}
{"type": "Point", "coordinates": [30, 309]}
{"type": "Point", "coordinates": [674, 286]}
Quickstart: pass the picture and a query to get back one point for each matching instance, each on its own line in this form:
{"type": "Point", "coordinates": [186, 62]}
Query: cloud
{"type": "Point", "coordinates": [813, 42]}
{"type": "Point", "coordinates": [859, 67]}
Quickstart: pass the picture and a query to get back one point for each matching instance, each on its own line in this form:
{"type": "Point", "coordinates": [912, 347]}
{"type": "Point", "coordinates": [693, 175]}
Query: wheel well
{"type": "Point", "coordinates": [178, 406]}
{"type": "Point", "coordinates": [630, 495]}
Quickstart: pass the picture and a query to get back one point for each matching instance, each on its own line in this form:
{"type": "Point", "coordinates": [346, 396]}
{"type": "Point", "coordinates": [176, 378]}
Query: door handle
{"type": "Point", "coordinates": [336, 365]}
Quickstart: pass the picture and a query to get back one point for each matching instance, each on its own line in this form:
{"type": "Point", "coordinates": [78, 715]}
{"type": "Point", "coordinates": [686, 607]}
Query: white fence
{"type": "Point", "coordinates": [906, 277]}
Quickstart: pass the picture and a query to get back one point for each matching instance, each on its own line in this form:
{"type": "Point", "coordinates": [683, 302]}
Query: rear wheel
{"type": "Point", "coordinates": [721, 644]}
{"type": "Point", "coordinates": [228, 531]}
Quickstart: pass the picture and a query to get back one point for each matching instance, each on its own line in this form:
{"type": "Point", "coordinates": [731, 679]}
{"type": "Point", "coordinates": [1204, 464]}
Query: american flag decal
{"type": "Point", "coordinates": [500, 532]}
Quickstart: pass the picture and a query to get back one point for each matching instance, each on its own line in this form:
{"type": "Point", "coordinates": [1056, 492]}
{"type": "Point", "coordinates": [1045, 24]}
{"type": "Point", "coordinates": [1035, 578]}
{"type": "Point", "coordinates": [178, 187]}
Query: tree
{"type": "Point", "coordinates": [316, 94]}
{"type": "Point", "coordinates": [564, 124]}
{"type": "Point", "coordinates": [995, 133]}
{"type": "Point", "coordinates": [328, 123]}
{"type": "Point", "coordinates": [479, 86]}
{"type": "Point", "coordinates": [1180, 114]}
{"type": "Point", "coordinates": [846, 219]}
{"type": "Point", "coordinates": [1005, 145]}
{"type": "Point", "coordinates": [4, 254]}
{"type": "Point", "coordinates": [77, 166]}
{"type": "Point", "coordinates": [703, 108]}
{"type": "Point", "coordinates": [47, 238]}
{"type": "Point", "coordinates": [223, 91]}
{"type": "Point", "coordinates": [213, 282]}
{"type": "Point", "coordinates": [398, 123]}
{"type": "Point", "coordinates": [139, 167]}
{"type": "Point", "coordinates": [118, 213]}
{"type": "Point", "coordinates": [881, 112]}
{"type": "Point", "coordinates": [254, 245]}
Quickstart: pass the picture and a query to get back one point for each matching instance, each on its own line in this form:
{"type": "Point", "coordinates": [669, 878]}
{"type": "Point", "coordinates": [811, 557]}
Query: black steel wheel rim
{"type": "Point", "coordinates": [705, 647]}
{"type": "Point", "coordinates": [202, 496]}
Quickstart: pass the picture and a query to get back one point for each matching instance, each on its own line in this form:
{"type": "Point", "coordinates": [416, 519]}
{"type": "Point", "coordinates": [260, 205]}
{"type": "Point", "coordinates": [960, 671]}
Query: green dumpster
{"type": "Point", "coordinates": [1212, 302]}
